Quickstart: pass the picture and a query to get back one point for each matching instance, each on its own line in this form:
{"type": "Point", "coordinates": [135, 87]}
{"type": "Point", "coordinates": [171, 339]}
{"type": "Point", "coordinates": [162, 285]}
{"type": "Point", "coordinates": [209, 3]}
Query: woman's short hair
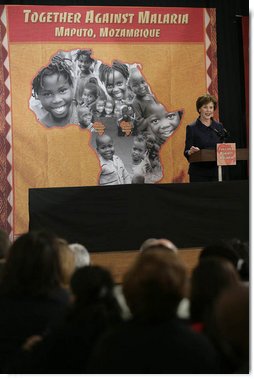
{"type": "Point", "coordinates": [155, 284]}
{"type": "Point", "coordinates": [205, 99]}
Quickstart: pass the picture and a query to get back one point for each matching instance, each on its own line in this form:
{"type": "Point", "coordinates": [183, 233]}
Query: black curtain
{"type": "Point", "coordinates": [121, 217]}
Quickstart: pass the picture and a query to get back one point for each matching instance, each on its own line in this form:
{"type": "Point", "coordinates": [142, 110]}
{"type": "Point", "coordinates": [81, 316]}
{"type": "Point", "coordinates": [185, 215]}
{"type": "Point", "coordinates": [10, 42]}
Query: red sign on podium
{"type": "Point", "coordinates": [226, 154]}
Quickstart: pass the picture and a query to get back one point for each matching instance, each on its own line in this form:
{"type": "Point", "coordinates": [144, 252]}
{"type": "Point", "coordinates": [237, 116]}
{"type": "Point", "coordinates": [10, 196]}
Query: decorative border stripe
{"type": "Point", "coordinates": [211, 54]}
{"type": "Point", "coordinates": [6, 187]}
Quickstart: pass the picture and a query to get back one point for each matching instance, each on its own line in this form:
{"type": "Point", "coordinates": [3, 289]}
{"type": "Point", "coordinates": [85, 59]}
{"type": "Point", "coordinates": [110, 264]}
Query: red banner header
{"type": "Point", "coordinates": [123, 24]}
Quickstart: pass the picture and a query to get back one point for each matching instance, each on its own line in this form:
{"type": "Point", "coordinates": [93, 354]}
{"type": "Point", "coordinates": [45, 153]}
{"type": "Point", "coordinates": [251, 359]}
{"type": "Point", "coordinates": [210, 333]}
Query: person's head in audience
{"type": "Point", "coordinates": [242, 249]}
{"type": "Point", "coordinates": [154, 285]}
{"type": "Point", "coordinates": [32, 265]}
{"type": "Point", "coordinates": [209, 278]}
{"type": "Point", "coordinates": [232, 326]}
{"type": "Point", "coordinates": [93, 287]}
{"type": "Point", "coordinates": [232, 250]}
{"type": "Point", "coordinates": [4, 243]}
{"type": "Point", "coordinates": [163, 243]}
{"type": "Point", "coordinates": [67, 261]}
{"type": "Point", "coordinates": [81, 255]}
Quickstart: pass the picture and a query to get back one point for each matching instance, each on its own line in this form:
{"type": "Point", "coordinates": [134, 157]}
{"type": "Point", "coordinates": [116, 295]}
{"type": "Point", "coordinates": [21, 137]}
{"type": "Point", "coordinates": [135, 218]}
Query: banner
{"type": "Point", "coordinates": [98, 96]}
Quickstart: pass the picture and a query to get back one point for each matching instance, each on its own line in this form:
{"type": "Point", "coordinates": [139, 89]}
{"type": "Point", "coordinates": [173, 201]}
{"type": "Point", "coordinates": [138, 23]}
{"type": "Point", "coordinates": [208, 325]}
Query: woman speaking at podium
{"type": "Point", "coordinates": [204, 133]}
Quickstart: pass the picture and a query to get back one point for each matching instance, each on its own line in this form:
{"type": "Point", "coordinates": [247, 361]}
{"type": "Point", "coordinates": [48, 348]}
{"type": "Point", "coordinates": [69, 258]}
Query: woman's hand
{"type": "Point", "coordinates": [193, 150]}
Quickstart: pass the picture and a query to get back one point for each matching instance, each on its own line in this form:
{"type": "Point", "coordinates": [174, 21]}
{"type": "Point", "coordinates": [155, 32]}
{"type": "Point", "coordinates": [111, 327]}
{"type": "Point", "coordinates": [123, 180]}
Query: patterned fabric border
{"type": "Point", "coordinates": [6, 188]}
{"type": "Point", "coordinates": [211, 54]}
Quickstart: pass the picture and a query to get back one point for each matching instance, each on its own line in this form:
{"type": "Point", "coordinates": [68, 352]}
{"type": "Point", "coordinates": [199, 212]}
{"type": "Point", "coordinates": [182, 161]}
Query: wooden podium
{"type": "Point", "coordinates": [209, 155]}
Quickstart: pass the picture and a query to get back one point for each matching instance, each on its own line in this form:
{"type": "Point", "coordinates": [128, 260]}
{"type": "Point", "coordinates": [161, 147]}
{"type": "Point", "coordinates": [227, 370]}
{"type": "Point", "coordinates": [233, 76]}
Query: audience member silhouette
{"type": "Point", "coordinates": [67, 261]}
{"type": "Point", "coordinates": [232, 326]}
{"type": "Point", "coordinates": [154, 341]}
{"type": "Point", "coordinates": [4, 247]}
{"type": "Point", "coordinates": [31, 294]}
{"type": "Point", "coordinates": [234, 251]}
{"type": "Point", "coordinates": [60, 315]}
{"type": "Point", "coordinates": [209, 278]}
{"type": "Point", "coordinates": [67, 348]}
{"type": "Point", "coordinates": [4, 244]}
{"type": "Point", "coordinates": [151, 243]}
{"type": "Point", "coordinates": [242, 249]}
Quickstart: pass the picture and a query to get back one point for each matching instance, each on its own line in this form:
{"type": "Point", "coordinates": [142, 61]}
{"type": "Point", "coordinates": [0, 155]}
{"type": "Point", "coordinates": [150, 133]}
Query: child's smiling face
{"type": "Point", "coordinates": [84, 63]}
{"type": "Point", "coordinates": [138, 84]}
{"type": "Point", "coordinates": [163, 123]}
{"type": "Point", "coordinates": [108, 107]}
{"type": "Point", "coordinates": [100, 106]}
{"type": "Point", "coordinates": [118, 110]}
{"type": "Point", "coordinates": [56, 95]}
{"type": "Point", "coordinates": [88, 97]}
{"type": "Point", "coordinates": [85, 116]}
{"type": "Point", "coordinates": [138, 151]}
{"type": "Point", "coordinates": [105, 147]}
{"type": "Point", "coordinates": [116, 85]}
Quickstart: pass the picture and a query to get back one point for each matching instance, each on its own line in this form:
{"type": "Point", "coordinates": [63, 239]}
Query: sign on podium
{"type": "Point", "coordinates": [225, 154]}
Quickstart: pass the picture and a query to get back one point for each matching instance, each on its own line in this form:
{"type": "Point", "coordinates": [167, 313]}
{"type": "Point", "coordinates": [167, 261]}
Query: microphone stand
{"type": "Point", "coordinates": [222, 135]}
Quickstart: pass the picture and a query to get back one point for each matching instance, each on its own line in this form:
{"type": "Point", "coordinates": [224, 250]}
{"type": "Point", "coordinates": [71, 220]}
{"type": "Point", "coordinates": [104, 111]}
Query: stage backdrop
{"type": "Point", "coordinates": [98, 96]}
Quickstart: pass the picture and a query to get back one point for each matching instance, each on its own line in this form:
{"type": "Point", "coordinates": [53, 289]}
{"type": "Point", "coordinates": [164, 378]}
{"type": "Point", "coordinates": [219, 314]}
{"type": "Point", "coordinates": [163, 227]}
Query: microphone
{"type": "Point", "coordinates": [216, 131]}
{"type": "Point", "coordinates": [222, 134]}
{"type": "Point", "coordinates": [226, 132]}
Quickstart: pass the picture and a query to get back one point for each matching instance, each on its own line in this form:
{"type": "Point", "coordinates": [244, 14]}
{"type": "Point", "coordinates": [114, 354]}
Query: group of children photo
{"type": "Point", "coordinates": [75, 88]}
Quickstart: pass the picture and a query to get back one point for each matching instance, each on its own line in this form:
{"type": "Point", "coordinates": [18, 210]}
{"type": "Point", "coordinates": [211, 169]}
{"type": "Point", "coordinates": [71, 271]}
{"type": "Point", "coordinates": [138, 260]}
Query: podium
{"type": "Point", "coordinates": [209, 155]}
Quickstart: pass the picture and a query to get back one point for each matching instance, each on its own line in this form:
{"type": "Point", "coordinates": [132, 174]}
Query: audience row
{"type": "Point", "coordinates": [62, 315]}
